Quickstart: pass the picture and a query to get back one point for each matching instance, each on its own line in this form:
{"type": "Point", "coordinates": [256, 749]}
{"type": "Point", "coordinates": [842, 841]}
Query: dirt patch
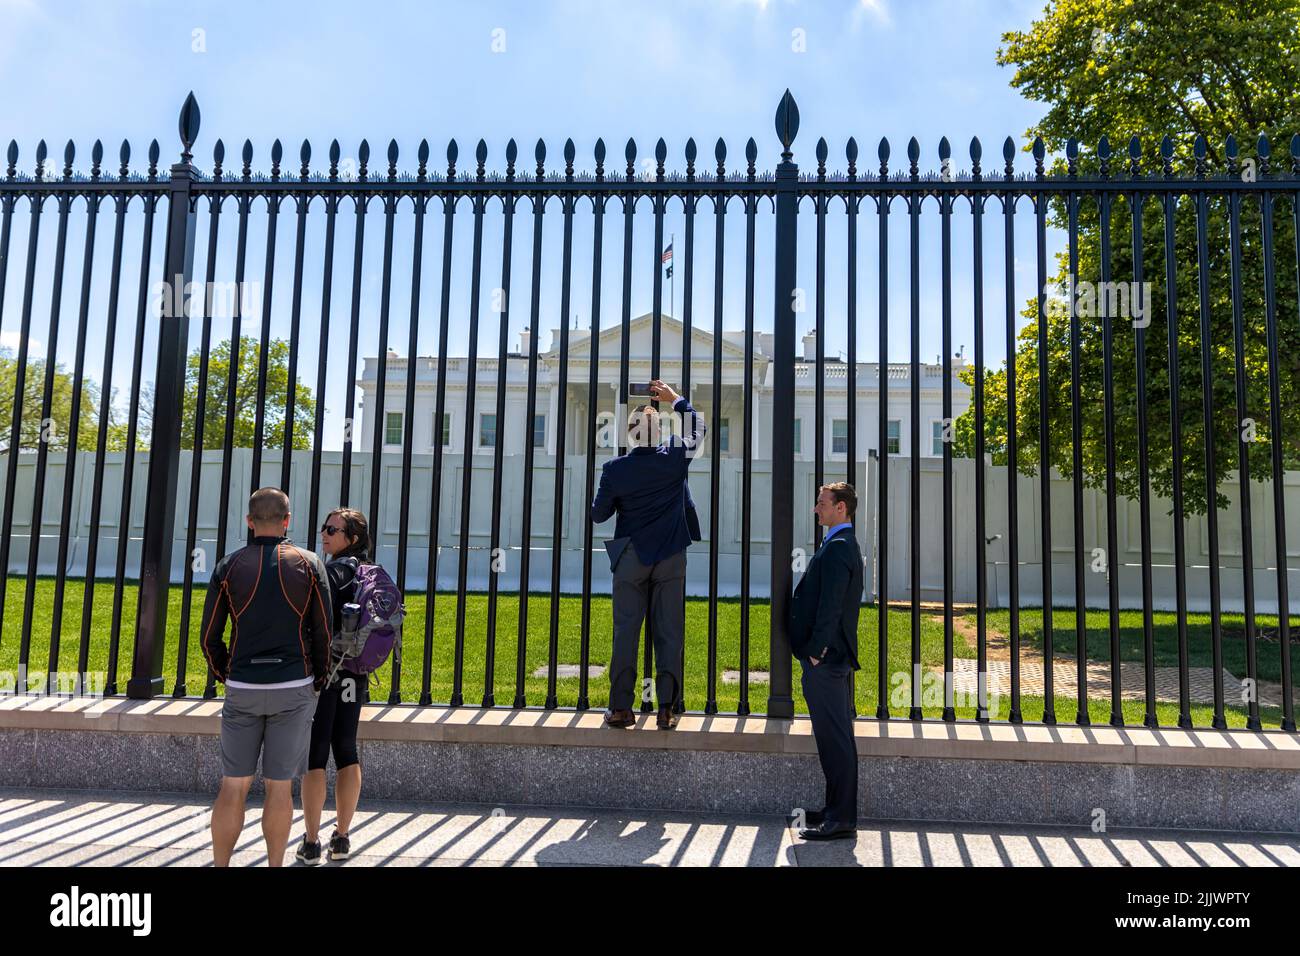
{"type": "Point", "coordinates": [997, 645]}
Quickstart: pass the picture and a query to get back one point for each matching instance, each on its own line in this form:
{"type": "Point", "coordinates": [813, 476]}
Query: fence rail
{"type": "Point", "coordinates": [1216, 392]}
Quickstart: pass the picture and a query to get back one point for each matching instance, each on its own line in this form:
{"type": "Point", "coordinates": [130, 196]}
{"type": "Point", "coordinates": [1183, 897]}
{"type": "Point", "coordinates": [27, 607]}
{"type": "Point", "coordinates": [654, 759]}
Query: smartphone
{"type": "Point", "coordinates": [639, 390]}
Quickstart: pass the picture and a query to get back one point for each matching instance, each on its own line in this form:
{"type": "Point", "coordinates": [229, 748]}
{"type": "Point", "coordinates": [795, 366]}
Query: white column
{"type": "Point", "coordinates": [553, 407]}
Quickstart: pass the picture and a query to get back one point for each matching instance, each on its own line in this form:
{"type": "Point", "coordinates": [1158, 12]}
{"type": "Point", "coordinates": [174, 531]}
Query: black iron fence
{"type": "Point", "coordinates": [1099, 396]}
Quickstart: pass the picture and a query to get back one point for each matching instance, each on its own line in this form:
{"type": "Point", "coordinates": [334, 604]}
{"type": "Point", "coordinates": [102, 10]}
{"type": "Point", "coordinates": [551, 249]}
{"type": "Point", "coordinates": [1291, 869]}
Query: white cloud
{"type": "Point", "coordinates": [878, 9]}
{"type": "Point", "coordinates": [12, 340]}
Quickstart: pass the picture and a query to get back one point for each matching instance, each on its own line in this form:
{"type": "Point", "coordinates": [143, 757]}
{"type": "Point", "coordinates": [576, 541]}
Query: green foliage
{"type": "Point", "coordinates": [60, 405]}
{"type": "Point", "coordinates": [274, 402]}
{"type": "Point", "coordinates": [1148, 68]}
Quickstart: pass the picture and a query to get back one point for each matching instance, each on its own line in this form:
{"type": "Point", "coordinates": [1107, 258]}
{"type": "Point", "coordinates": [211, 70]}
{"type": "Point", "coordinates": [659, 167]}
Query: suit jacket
{"type": "Point", "coordinates": [824, 610]}
{"type": "Point", "coordinates": [648, 489]}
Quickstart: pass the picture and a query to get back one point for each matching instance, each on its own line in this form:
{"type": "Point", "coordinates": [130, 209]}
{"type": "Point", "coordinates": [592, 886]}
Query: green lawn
{"type": "Point", "coordinates": [728, 694]}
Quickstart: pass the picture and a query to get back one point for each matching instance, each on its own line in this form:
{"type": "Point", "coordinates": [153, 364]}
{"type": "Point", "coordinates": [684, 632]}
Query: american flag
{"type": "Point", "coordinates": [668, 254]}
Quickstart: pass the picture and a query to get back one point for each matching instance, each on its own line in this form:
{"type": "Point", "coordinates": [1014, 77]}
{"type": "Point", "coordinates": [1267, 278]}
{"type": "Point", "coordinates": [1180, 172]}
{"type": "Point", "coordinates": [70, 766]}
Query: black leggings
{"type": "Point", "coordinates": [335, 723]}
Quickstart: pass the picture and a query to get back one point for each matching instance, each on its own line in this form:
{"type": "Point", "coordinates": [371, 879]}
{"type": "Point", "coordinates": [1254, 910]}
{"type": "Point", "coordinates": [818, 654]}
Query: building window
{"type": "Point", "coordinates": [895, 429]}
{"type": "Point", "coordinates": [393, 428]}
{"type": "Point", "coordinates": [798, 436]}
{"type": "Point", "coordinates": [487, 430]}
{"type": "Point", "coordinates": [936, 438]}
{"type": "Point", "coordinates": [446, 429]}
{"type": "Point", "coordinates": [839, 436]}
{"type": "Point", "coordinates": [724, 434]}
{"type": "Point", "coordinates": [539, 431]}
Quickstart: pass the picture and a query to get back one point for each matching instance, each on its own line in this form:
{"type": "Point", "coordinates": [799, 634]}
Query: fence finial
{"type": "Point", "coordinates": [218, 156]}
{"type": "Point", "coordinates": [851, 153]}
{"type": "Point", "coordinates": [787, 124]}
{"type": "Point", "coordinates": [96, 159]}
{"type": "Point", "coordinates": [189, 126]}
{"type": "Point", "coordinates": [690, 159]}
{"type": "Point", "coordinates": [1009, 158]}
{"type": "Point", "coordinates": [1040, 153]}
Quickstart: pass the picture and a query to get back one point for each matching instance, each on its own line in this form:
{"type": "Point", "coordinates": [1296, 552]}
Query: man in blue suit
{"type": "Point", "coordinates": [824, 637]}
{"type": "Point", "coordinates": [656, 524]}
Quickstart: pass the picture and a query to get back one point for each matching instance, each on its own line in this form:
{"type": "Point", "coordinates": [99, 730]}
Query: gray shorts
{"type": "Point", "coordinates": [275, 723]}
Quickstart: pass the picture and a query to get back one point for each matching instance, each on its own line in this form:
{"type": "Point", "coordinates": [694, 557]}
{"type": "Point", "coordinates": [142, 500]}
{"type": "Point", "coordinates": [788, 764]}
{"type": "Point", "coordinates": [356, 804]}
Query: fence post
{"type": "Point", "coordinates": [169, 395]}
{"type": "Point", "coordinates": [780, 700]}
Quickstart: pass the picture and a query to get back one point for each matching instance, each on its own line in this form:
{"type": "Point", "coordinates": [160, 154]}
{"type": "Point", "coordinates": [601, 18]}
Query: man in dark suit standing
{"type": "Point", "coordinates": [656, 524]}
{"type": "Point", "coordinates": [824, 637]}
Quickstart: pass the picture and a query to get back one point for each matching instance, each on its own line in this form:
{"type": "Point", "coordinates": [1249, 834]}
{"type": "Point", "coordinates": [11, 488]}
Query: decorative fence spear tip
{"type": "Point", "coordinates": [787, 121]}
{"type": "Point", "coordinates": [189, 125]}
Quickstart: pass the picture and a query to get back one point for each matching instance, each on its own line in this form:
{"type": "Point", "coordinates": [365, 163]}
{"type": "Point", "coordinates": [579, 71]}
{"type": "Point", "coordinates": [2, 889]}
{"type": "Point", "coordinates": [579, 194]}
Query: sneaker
{"type": "Point", "coordinates": [340, 847]}
{"type": "Point", "coordinates": [309, 853]}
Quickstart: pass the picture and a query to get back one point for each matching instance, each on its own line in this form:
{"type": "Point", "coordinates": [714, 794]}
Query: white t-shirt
{"type": "Point", "coordinates": [242, 685]}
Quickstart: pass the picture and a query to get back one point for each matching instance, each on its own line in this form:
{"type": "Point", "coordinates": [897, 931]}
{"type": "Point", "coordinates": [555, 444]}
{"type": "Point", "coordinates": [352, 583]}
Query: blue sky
{"type": "Point", "coordinates": [676, 69]}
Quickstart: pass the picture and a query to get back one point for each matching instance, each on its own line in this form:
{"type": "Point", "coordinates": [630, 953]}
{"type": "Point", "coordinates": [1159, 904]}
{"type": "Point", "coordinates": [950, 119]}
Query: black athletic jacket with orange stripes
{"type": "Point", "coordinates": [277, 599]}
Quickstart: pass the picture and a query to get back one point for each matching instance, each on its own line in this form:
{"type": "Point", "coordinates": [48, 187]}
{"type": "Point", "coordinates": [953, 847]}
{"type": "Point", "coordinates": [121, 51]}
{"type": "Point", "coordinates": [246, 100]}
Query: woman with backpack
{"type": "Point", "coordinates": [345, 538]}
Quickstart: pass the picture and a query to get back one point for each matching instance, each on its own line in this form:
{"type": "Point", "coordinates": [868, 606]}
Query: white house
{"type": "Point", "coordinates": [725, 416]}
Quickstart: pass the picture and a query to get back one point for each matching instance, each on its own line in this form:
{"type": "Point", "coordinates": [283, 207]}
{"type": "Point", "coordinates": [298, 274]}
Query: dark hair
{"type": "Point", "coordinates": [268, 504]}
{"type": "Point", "coordinates": [842, 491]}
{"type": "Point", "coordinates": [354, 525]}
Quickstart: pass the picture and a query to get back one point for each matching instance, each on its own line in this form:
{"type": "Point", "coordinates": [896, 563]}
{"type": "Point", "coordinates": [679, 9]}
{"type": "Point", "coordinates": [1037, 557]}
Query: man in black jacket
{"type": "Point", "coordinates": [276, 599]}
{"type": "Point", "coordinates": [656, 523]}
{"type": "Point", "coordinates": [824, 637]}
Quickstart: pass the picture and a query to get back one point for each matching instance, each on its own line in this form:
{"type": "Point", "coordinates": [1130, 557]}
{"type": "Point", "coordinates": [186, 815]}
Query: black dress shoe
{"type": "Point", "coordinates": [620, 718]}
{"type": "Point", "coordinates": [829, 831]}
{"type": "Point", "coordinates": [666, 720]}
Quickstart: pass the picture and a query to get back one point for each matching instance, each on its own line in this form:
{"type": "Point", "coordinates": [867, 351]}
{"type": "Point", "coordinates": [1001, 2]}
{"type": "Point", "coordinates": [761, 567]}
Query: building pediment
{"type": "Point", "coordinates": [641, 341]}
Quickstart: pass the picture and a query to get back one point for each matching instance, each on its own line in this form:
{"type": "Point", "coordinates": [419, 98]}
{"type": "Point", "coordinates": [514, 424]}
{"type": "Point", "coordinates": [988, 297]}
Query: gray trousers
{"type": "Point", "coordinates": [660, 589]}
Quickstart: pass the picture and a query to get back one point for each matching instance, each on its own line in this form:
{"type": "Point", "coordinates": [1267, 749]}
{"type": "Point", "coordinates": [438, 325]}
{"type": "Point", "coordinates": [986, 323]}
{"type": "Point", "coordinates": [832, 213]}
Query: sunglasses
{"type": "Point", "coordinates": [330, 529]}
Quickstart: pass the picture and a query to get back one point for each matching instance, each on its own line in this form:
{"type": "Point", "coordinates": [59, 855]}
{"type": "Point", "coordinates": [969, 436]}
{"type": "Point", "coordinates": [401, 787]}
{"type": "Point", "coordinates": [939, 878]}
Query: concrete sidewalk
{"type": "Point", "coordinates": [85, 828]}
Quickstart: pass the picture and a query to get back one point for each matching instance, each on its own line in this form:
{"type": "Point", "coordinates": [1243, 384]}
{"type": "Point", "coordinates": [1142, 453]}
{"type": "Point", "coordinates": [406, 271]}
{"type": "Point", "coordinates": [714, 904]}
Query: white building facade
{"type": "Point", "coordinates": [722, 405]}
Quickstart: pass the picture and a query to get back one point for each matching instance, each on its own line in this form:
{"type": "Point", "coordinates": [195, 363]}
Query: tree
{"type": "Point", "coordinates": [31, 427]}
{"type": "Point", "coordinates": [1147, 68]}
{"type": "Point", "coordinates": [276, 398]}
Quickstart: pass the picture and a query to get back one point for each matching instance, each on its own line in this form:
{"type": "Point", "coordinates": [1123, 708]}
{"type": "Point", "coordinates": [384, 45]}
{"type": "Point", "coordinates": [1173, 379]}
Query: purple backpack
{"type": "Point", "coordinates": [372, 622]}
